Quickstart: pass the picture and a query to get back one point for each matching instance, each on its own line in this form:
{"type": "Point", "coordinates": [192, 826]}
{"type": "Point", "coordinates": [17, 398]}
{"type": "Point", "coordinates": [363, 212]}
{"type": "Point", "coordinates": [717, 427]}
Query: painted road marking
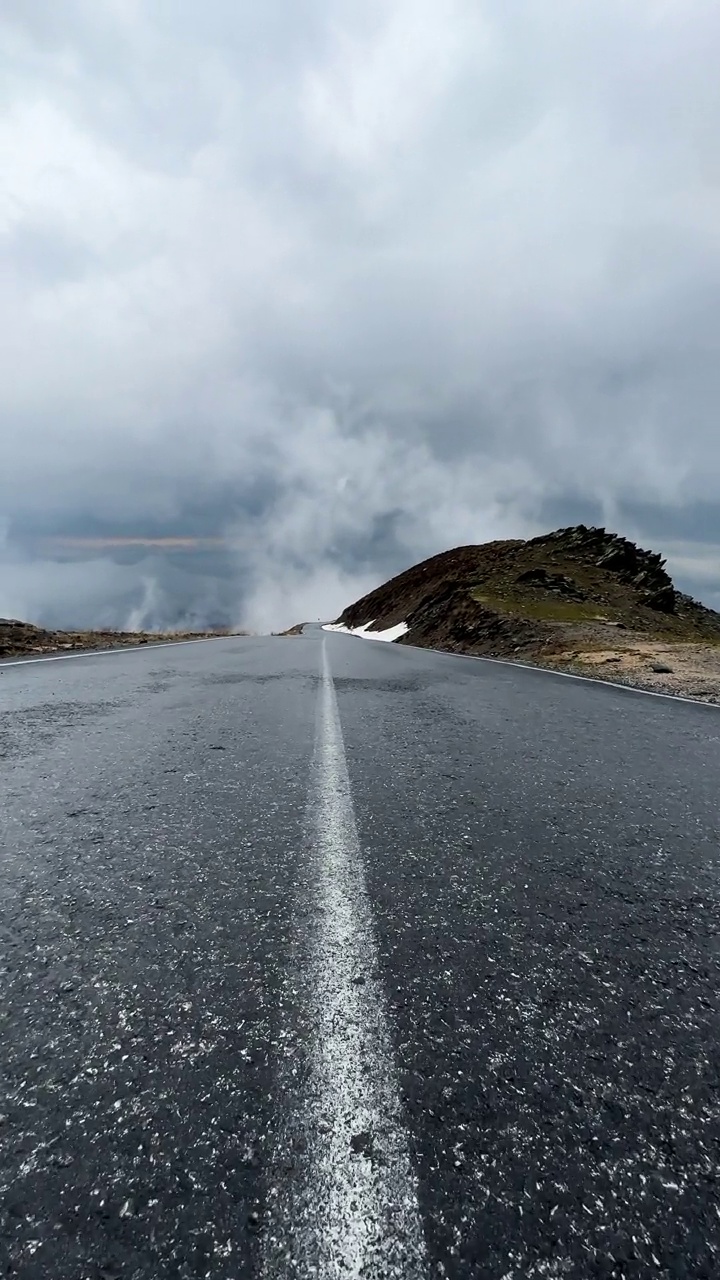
{"type": "Point", "coordinates": [550, 671]}
{"type": "Point", "coordinates": [571, 675]}
{"type": "Point", "coordinates": [106, 653]}
{"type": "Point", "coordinates": [352, 1209]}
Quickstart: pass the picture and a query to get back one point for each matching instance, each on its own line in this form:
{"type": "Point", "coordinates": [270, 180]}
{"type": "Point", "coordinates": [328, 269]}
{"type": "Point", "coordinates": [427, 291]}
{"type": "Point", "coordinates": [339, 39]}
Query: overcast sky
{"type": "Point", "coordinates": [345, 283]}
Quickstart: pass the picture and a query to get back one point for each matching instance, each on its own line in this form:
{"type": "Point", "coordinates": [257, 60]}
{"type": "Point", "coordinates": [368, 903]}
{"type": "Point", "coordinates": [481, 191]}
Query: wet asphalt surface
{"type": "Point", "coordinates": [543, 865]}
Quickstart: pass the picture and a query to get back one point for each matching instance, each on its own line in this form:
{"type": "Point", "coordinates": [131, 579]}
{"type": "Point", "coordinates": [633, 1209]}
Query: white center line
{"type": "Point", "coordinates": [353, 1211]}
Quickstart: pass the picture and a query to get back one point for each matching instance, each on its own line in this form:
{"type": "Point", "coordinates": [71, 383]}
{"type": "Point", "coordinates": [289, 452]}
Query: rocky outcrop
{"type": "Point", "coordinates": [643, 570]}
{"type": "Point", "coordinates": [537, 596]}
{"type": "Point", "coordinates": [556, 583]}
{"type": "Point", "coordinates": [452, 620]}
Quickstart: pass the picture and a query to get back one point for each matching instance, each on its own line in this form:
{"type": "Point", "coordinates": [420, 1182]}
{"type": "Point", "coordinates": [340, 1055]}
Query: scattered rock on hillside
{"type": "Point", "coordinates": [542, 600]}
{"type": "Point", "coordinates": [555, 582]}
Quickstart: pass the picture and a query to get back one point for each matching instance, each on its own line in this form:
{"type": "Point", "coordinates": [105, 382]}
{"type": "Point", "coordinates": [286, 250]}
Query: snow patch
{"type": "Point", "coordinates": [391, 633]}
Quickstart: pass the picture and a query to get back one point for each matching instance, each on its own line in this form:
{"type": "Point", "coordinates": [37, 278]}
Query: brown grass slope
{"type": "Point", "coordinates": [578, 589]}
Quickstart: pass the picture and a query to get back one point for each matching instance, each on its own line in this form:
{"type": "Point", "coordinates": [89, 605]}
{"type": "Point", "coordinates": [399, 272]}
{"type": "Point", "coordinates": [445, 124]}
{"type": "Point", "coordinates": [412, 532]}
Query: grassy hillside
{"type": "Point", "coordinates": [576, 586]}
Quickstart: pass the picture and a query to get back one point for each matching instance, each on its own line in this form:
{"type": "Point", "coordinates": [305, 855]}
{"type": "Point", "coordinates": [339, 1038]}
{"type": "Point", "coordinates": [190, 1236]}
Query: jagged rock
{"type": "Point", "coordinates": [491, 598]}
{"type": "Point", "coordinates": [615, 558]}
{"type": "Point", "coordinates": [663, 599]}
{"type": "Point", "coordinates": [556, 582]}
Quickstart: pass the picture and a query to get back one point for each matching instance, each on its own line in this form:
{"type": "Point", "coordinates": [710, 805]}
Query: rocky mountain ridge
{"type": "Point", "coordinates": [577, 588]}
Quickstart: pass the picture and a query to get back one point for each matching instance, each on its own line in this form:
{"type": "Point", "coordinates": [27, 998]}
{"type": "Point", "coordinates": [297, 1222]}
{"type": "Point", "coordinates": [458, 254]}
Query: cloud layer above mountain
{"type": "Point", "coordinates": [345, 284]}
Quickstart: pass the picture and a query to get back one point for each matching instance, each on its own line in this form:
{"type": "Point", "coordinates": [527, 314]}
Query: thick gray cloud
{"type": "Point", "coordinates": [348, 283]}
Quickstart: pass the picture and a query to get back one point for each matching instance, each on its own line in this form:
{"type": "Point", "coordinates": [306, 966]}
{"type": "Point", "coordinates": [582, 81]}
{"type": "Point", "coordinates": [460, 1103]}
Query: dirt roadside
{"type": "Point", "coordinates": [685, 670]}
{"type": "Point", "coordinates": [23, 639]}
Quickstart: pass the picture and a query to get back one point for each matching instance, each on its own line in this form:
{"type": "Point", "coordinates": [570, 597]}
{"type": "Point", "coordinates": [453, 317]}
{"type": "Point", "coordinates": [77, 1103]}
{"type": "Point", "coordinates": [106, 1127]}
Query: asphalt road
{"type": "Point", "coordinates": [326, 957]}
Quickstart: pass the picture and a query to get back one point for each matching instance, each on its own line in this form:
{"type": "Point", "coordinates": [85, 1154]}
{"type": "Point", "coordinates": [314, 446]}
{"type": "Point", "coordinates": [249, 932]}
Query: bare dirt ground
{"type": "Point", "coordinates": [684, 669]}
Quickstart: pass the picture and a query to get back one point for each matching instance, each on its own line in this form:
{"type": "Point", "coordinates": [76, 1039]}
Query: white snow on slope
{"type": "Point", "coordinates": [392, 633]}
